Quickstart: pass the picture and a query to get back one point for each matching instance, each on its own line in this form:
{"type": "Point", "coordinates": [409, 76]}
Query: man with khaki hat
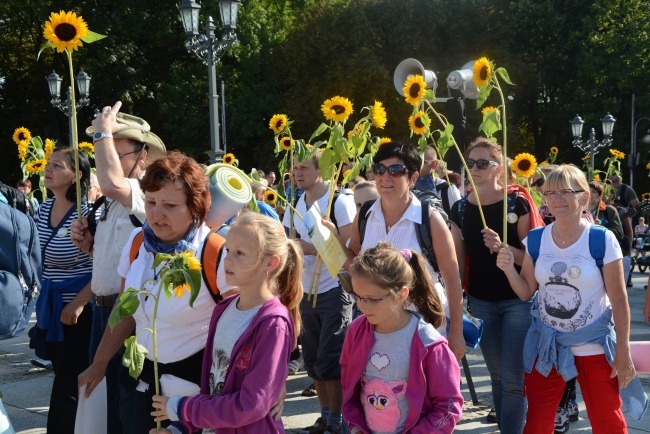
{"type": "Point", "coordinates": [124, 146]}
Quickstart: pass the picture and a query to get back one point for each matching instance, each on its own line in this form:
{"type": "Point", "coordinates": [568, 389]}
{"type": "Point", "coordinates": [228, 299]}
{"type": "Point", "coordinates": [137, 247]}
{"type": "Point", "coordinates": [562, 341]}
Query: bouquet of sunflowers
{"type": "Point", "coordinates": [33, 153]}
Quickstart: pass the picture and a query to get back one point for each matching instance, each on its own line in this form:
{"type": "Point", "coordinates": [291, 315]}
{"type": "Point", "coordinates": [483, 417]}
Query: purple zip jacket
{"type": "Point", "coordinates": [255, 378]}
{"type": "Point", "coordinates": [433, 385]}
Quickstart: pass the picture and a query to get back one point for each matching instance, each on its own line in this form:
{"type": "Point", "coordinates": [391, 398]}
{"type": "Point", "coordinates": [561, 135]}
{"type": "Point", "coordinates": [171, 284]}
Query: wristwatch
{"type": "Point", "coordinates": [101, 135]}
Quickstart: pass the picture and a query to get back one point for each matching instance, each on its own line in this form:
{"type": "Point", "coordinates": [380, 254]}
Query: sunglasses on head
{"type": "Point", "coordinates": [481, 163]}
{"type": "Point", "coordinates": [539, 182]}
{"type": "Point", "coordinates": [393, 169]}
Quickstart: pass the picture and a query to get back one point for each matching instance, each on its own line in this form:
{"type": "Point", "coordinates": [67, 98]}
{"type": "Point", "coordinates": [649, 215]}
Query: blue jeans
{"type": "Point", "coordinates": [117, 396]}
{"type": "Point", "coordinates": [505, 324]}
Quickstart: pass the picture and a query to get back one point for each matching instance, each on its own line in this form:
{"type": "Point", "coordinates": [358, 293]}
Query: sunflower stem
{"type": "Point", "coordinates": [73, 134]}
{"type": "Point", "coordinates": [505, 171]}
{"type": "Point", "coordinates": [154, 335]}
{"type": "Point", "coordinates": [462, 159]}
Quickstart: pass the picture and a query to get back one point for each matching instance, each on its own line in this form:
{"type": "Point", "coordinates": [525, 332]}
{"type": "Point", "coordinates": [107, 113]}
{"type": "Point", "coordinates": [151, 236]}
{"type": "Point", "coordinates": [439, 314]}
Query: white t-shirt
{"type": "Point", "coordinates": [345, 210]}
{"type": "Point", "coordinates": [111, 237]}
{"type": "Point", "coordinates": [571, 288]}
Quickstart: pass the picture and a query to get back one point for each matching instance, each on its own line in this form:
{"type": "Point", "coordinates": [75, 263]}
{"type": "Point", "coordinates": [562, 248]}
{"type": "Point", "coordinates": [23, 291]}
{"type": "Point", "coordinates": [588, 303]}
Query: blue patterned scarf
{"type": "Point", "coordinates": [152, 243]}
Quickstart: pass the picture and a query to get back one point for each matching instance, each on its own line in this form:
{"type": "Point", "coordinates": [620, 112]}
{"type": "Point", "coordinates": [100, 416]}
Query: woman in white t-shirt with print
{"type": "Point", "coordinates": [572, 332]}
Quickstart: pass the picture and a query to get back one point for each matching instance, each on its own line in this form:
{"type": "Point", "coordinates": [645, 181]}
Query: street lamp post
{"type": "Point", "coordinates": [209, 48]}
{"type": "Point", "coordinates": [634, 155]}
{"type": "Point", "coordinates": [592, 146]}
{"type": "Point", "coordinates": [83, 85]}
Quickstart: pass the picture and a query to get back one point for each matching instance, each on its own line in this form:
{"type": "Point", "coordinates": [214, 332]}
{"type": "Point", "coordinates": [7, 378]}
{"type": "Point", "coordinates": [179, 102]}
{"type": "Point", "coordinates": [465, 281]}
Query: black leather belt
{"type": "Point", "coordinates": [104, 300]}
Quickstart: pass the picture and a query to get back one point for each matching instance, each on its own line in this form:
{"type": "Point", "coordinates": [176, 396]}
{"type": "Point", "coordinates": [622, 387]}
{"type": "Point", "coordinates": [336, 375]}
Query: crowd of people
{"type": "Point", "coordinates": [384, 353]}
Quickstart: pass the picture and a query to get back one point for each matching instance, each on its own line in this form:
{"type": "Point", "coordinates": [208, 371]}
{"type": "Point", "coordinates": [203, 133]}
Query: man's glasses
{"type": "Point", "coordinates": [393, 169]}
{"type": "Point", "coordinates": [539, 182]}
{"type": "Point", "coordinates": [481, 163]}
{"type": "Point", "coordinates": [560, 193]}
{"type": "Point", "coordinates": [369, 300]}
{"type": "Point", "coordinates": [120, 156]}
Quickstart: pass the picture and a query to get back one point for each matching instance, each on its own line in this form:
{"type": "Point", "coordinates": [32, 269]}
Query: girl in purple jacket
{"type": "Point", "coordinates": [250, 339]}
{"type": "Point", "coordinates": [409, 381]}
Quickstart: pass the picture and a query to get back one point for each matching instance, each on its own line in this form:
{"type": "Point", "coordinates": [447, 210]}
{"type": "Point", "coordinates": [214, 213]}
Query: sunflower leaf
{"type": "Point", "coordinates": [504, 75]}
{"type": "Point", "coordinates": [43, 47]}
{"type": "Point", "coordinates": [126, 305]}
{"type": "Point", "coordinates": [322, 127]}
{"type": "Point", "coordinates": [253, 205]}
{"type": "Point", "coordinates": [483, 94]}
{"type": "Point", "coordinates": [255, 175]}
{"type": "Point", "coordinates": [491, 123]}
{"type": "Point", "coordinates": [326, 163]}
{"type": "Point", "coordinates": [134, 356]}
{"type": "Point", "coordinates": [159, 259]}
{"type": "Point", "coordinates": [446, 140]}
{"type": "Point", "coordinates": [193, 278]}
{"type": "Point", "coordinates": [92, 37]}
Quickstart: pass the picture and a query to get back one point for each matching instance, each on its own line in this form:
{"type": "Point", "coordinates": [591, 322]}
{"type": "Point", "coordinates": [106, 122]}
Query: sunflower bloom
{"type": "Point", "coordinates": [337, 109]}
{"type": "Point", "coordinates": [270, 197]}
{"type": "Point", "coordinates": [618, 155]}
{"type": "Point", "coordinates": [36, 166]}
{"type": "Point", "coordinates": [87, 147]}
{"type": "Point", "coordinates": [286, 143]}
{"type": "Point", "coordinates": [645, 196]}
{"type": "Point", "coordinates": [524, 165]}
{"type": "Point", "coordinates": [228, 159]}
{"type": "Point", "coordinates": [482, 72]}
{"type": "Point", "coordinates": [586, 157]}
{"type": "Point", "coordinates": [384, 140]}
{"type": "Point", "coordinates": [417, 123]}
{"type": "Point", "coordinates": [65, 31]}
{"type": "Point", "coordinates": [597, 177]}
{"type": "Point", "coordinates": [414, 89]}
{"type": "Point", "coordinates": [22, 134]}
{"type": "Point", "coordinates": [554, 150]}
{"type": "Point", "coordinates": [22, 150]}
{"type": "Point", "coordinates": [278, 123]}
{"type": "Point", "coordinates": [647, 166]}
{"type": "Point", "coordinates": [49, 148]}
{"type": "Point", "coordinates": [191, 261]}
{"type": "Point", "coordinates": [179, 290]}
{"type": "Point", "coordinates": [488, 110]}
{"type": "Point", "coordinates": [378, 115]}
{"type": "Point", "coordinates": [356, 131]}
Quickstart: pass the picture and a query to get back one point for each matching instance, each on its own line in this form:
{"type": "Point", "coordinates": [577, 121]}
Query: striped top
{"type": "Point", "coordinates": [61, 258]}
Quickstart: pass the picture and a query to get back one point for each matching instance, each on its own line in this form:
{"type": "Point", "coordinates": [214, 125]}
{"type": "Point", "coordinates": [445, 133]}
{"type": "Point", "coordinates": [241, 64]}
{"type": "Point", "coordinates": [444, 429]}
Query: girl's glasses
{"type": "Point", "coordinates": [369, 300]}
{"type": "Point", "coordinates": [481, 163]}
{"type": "Point", "coordinates": [560, 193]}
{"type": "Point", "coordinates": [393, 169]}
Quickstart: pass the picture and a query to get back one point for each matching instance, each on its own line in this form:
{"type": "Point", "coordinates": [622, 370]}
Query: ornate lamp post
{"type": "Point", "coordinates": [634, 155]}
{"type": "Point", "coordinates": [209, 48]}
{"type": "Point", "coordinates": [83, 87]}
{"type": "Point", "coordinates": [592, 146]}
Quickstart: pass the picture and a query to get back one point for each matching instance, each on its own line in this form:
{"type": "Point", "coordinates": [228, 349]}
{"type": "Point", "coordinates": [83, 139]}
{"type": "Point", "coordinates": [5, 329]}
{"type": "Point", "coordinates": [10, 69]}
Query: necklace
{"type": "Point", "coordinates": [563, 241]}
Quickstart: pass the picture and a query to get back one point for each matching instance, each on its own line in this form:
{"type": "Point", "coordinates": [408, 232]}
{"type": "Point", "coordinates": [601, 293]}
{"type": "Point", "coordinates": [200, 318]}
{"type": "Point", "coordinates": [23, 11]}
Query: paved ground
{"type": "Point", "coordinates": [27, 389]}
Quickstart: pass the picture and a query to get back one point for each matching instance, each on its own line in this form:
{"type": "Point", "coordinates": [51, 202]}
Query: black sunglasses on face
{"type": "Point", "coordinates": [481, 163]}
{"type": "Point", "coordinates": [393, 169]}
{"type": "Point", "coordinates": [539, 182]}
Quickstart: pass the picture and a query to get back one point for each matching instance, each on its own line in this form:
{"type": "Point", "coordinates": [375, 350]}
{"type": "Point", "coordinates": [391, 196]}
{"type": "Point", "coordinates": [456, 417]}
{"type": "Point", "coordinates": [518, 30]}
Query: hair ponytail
{"type": "Point", "coordinates": [424, 294]}
{"type": "Point", "coordinates": [289, 285]}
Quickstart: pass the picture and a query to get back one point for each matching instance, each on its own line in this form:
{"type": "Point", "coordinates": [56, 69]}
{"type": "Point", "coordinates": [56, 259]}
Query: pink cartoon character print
{"type": "Point", "coordinates": [380, 403]}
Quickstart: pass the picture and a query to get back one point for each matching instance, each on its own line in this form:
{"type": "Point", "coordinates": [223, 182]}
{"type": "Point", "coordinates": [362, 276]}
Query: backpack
{"type": "Point", "coordinates": [443, 192]}
{"type": "Point", "coordinates": [337, 193]}
{"type": "Point", "coordinates": [597, 244]}
{"type": "Point", "coordinates": [429, 200]}
{"type": "Point", "coordinates": [20, 270]}
{"type": "Point", "coordinates": [17, 199]}
{"type": "Point", "coordinates": [210, 258]}
{"type": "Point", "coordinates": [92, 216]}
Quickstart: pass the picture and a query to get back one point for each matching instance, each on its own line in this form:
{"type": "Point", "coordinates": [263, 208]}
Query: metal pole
{"type": "Point", "coordinates": [592, 145]}
{"type": "Point", "coordinates": [632, 147]}
{"type": "Point", "coordinates": [213, 99]}
{"type": "Point", "coordinates": [223, 117]}
{"type": "Point", "coordinates": [69, 113]}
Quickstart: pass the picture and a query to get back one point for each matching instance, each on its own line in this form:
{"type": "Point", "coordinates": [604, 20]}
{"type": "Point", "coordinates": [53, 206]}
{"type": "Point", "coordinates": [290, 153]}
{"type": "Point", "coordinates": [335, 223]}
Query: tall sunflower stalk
{"type": "Point", "coordinates": [178, 273]}
{"type": "Point", "coordinates": [485, 78]}
{"type": "Point", "coordinates": [64, 32]}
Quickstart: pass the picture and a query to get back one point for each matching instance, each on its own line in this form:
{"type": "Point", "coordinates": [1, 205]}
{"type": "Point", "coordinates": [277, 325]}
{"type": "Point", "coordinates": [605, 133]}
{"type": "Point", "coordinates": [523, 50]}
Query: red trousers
{"type": "Point", "coordinates": [600, 393]}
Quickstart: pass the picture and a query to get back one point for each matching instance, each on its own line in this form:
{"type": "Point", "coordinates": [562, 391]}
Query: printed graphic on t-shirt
{"type": "Point", "coordinates": [380, 403]}
{"type": "Point", "coordinates": [220, 364]}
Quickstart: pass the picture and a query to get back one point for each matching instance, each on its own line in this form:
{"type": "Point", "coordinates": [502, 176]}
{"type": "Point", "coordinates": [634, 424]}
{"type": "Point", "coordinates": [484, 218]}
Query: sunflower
{"type": "Point", "coordinates": [49, 148]}
{"type": "Point", "coordinates": [270, 197]}
{"type": "Point", "coordinates": [180, 289]}
{"type": "Point", "coordinates": [597, 177]}
{"type": "Point", "coordinates": [417, 122]}
{"type": "Point", "coordinates": [228, 159]}
{"type": "Point", "coordinates": [482, 72]}
{"type": "Point", "coordinates": [286, 143]}
{"type": "Point", "coordinates": [586, 157]}
{"type": "Point", "coordinates": [554, 150]}
{"type": "Point", "coordinates": [36, 166]}
{"type": "Point", "coordinates": [524, 165]}
{"type": "Point", "coordinates": [278, 123]}
{"type": "Point", "coordinates": [86, 147]}
{"type": "Point", "coordinates": [22, 150]}
{"type": "Point", "coordinates": [378, 115]}
{"type": "Point", "coordinates": [647, 166]}
{"type": "Point", "coordinates": [618, 155]}
{"type": "Point", "coordinates": [65, 31]}
{"type": "Point", "coordinates": [22, 134]}
{"type": "Point", "coordinates": [488, 110]}
{"type": "Point", "coordinates": [337, 109]}
{"type": "Point", "coordinates": [384, 140]}
{"type": "Point", "coordinates": [645, 196]}
{"type": "Point", "coordinates": [356, 131]}
{"type": "Point", "coordinates": [414, 89]}
{"type": "Point", "coordinates": [190, 261]}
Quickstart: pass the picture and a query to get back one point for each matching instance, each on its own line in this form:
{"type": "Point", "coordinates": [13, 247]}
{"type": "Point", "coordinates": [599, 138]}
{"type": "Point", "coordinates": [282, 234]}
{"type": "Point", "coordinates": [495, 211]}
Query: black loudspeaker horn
{"type": "Point", "coordinates": [408, 67]}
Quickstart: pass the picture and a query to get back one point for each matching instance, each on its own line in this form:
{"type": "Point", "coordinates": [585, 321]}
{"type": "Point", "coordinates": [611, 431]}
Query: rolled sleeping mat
{"type": "Point", "coordinates": [230, 190]}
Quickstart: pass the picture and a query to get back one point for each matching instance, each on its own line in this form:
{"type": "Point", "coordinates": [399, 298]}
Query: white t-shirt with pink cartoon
{"type": "Point", "coordinates": [571, 288]}
{"type": "Point", "coordinates": [383, 386]}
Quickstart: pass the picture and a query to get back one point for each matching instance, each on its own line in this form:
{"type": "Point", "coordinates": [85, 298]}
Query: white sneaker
{"type": "Point", "coordinates": [295, 366]}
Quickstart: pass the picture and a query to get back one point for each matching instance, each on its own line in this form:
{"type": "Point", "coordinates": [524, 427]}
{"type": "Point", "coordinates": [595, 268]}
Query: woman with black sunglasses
{"type": "Point", "coordinates": [506, 318]}
{"type": "Point", "coordinates": [393, 217]}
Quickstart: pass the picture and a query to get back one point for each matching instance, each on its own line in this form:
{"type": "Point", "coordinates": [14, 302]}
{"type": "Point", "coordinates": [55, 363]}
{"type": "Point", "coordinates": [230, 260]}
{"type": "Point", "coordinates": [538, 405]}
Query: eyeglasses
{"type": "Point", "coordinates": [481, 163]}
{"type": "Point", "coordinates": [560, 193]}
{"type": "Point", "coordinates": [120, 156]}
{"type": "Point", "coordinates": [369, 300]}
{"type": "Point", "coordinates": [393, 169]}
{"type": "Point", "coordinates": [539, 182]}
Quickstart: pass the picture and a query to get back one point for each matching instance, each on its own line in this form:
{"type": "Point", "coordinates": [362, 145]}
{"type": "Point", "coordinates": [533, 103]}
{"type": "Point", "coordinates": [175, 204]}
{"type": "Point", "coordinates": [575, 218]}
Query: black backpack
{"type": "Point", "coordinates": [20, 270]}
{"type": "Point", "coordinates": [17, 199]}
{"type": "Point", "coordinates": [429, 200]}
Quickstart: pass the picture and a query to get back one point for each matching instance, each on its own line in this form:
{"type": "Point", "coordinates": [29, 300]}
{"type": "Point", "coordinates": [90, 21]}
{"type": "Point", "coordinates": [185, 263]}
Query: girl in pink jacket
{"type": "Point", "coordinates": [409, 380]}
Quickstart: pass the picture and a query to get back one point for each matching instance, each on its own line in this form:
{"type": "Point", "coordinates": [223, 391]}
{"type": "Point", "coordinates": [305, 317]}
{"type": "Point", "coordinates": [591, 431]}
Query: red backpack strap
{"type": "Point", "coordinates": [135, 246]}
{"type": "Point", "coordinates": [210, 258]}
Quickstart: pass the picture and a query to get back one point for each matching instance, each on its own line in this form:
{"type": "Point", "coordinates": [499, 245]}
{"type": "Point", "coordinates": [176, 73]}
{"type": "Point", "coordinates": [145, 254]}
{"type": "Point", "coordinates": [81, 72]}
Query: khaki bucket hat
{"type": "Point", "coordinates": [135, 128]}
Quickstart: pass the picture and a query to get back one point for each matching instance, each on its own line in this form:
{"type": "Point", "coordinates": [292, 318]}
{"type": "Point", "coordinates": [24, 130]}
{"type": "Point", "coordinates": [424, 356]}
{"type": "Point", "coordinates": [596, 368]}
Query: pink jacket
{"type": "Point", "coordinates": [255, 378]}
{"type": "Point", "coordinates": [433, 385]}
